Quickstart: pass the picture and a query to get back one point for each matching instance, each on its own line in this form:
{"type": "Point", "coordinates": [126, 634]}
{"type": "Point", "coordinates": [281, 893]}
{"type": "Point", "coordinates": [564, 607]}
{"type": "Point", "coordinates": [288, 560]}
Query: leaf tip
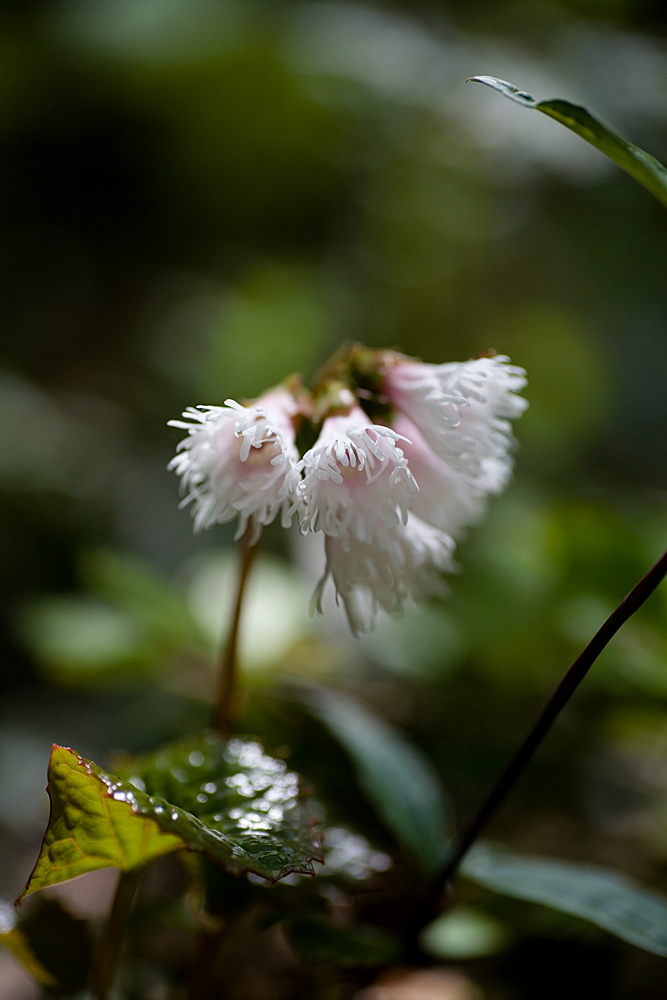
{"type": "Point", "coordinates": [505, 88]}
{"type": "Point", "coordinates": [24, 892]}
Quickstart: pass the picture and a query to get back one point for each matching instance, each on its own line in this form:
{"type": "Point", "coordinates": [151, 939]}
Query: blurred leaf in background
{"type": "Point", "coordinates": [199, 198]}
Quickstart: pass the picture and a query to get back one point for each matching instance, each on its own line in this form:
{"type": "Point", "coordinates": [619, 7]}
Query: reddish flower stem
{"type": "Point", "coordinates": [226, 705]}
{"type": "Point", "coordinates": [111, 941]}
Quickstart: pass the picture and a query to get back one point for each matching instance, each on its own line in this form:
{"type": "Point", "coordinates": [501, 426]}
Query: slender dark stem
{"type": "Point", "coordinates": [558, 699]}
{"type": "Point", "coordinates": [225, 705]}
{"type": "Point", "coordinates": [111, 941]}
{"type": "Point", "coordinates": [207, 948]}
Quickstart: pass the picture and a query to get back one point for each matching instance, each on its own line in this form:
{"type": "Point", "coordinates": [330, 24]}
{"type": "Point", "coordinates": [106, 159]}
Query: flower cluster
{"type": "Point", "coordinates": [389, 494]}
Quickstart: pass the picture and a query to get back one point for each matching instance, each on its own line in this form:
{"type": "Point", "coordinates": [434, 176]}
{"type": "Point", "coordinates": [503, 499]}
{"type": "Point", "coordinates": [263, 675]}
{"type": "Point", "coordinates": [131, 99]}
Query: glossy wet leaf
{"type": "Point", "coordinates": [605, 898]}
{"type": "Point", "coordinates": [95, 822]}
{"type": "Point", "coordinates": [641, 165]}
{"type": "Point", "coordinates": [246, 801]}
{"type": "Point", "coordinates": [230, 801]}
{"type": "Point", "coordinates": [398, 780]}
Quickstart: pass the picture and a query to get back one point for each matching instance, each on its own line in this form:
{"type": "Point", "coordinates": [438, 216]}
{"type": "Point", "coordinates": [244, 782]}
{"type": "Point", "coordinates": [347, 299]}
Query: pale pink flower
{"type": "Point", "coordinates": [463, 410]}
{"type": "Point", "coordinates": [357, 486]}
{"type": "Point", "coordinates": [452, 423]}
{"type": "Point", "coordinates": [390, 501]}
{"type": "Point", "coordinates": [239, 461]}
{"type": "Point", "coordinates": [380, 575]}
{"type": "Point", "coordinates": [449, 498]}
{"type": "Point", "coordinates": [358, 490]}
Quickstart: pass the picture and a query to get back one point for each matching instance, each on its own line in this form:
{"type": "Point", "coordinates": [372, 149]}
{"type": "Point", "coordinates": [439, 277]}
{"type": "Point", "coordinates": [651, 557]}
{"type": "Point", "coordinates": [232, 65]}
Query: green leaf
{"type": "Point", "coordinates": [249, 811]}
{"type": "Point", "coordinates": [641, 165]}
{"type": "Point", "coordinates": [607, 899]}
{"type": "Point", "coordinates": [395, 776]}
{"type": "Point", "coordinates": [95, 822]}
{"type": "Point", "coordinates": [229, 801]}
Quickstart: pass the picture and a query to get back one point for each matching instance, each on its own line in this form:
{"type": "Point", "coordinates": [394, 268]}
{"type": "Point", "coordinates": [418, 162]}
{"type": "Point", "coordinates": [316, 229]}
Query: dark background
{"type": "Point", "coordinates": [200, 197]}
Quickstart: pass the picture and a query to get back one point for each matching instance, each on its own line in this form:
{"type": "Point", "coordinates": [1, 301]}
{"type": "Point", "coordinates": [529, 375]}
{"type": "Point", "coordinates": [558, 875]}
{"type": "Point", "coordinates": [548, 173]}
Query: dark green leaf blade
{"type": "Point", "coordinates": [244, 808]}
{"type": "Point", "coordinates": [398, 780]}
{"type": "Point", "coordinates": [635, 161]}
{"type": "Point", "coordinates": [605, 898]}
{"type": "Point", "coordinates": [227, 800]}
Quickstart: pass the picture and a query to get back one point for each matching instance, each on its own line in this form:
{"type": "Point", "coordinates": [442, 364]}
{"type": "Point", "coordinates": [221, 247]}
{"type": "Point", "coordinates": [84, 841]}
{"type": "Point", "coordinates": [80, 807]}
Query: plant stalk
{"type": "Point", "coordinates": [111, 942]}
{"type": "Point", "coordinates": [555, 704]}
{"type": "Point", "coordinates": [226, 706]}
{"type": "Point", "coordinates": [207, 948]}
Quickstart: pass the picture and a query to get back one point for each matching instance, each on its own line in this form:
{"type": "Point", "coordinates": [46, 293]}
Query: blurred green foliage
{"type": "Point", "coordinates": [200, 197]}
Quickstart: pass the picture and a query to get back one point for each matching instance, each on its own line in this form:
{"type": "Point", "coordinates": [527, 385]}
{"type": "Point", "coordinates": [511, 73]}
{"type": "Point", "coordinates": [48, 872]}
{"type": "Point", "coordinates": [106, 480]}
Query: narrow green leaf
{"type": "Point", "coordinates": [229, 801]}
{"type": "Point", "coordinates": [607, 899]}
{"type": "Point", "coordinates": [641, 165]}
{"type": "Point", "coordinates": [398, 780]}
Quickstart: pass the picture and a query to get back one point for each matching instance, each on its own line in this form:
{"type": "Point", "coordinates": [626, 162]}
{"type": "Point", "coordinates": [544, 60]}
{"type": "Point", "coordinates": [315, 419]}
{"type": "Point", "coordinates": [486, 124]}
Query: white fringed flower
{"type": "Point", "coordinates": [358, 490]}
{"type": "Point", "coordinates": [381, 575]}
{"type": "Point", "coordinates": [239, 461]}
{"type": "Point", "coordinates": [449, 498]}
{"type": "Point", "coordinates": [463, 410]}
{"type": "Point", "coordinates": [390, 500]}
{"type": "Point", "coordinates": [357, 486]}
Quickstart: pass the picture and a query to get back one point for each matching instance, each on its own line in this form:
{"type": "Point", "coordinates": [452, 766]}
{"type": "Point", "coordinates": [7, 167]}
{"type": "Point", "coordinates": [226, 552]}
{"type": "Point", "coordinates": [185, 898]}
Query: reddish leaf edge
{"type": "Point", "coordinates": [112, 784]}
